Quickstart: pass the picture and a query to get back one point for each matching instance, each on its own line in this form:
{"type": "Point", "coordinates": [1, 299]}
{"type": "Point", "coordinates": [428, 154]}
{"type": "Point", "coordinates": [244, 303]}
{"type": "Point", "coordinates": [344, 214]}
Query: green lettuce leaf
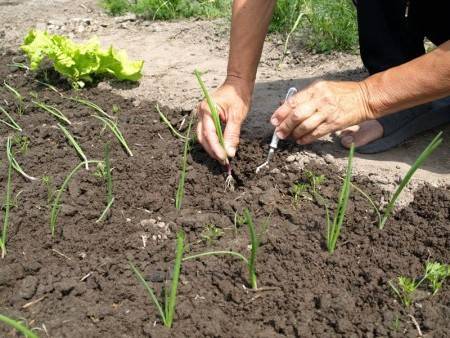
{"type": "Point", "coordinates": [79, 62]}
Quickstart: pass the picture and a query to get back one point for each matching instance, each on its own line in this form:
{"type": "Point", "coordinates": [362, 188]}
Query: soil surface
{"type": "Point", "coordinates": [172, 50]}
{"type": "Point", "coordinates": [79, 284]}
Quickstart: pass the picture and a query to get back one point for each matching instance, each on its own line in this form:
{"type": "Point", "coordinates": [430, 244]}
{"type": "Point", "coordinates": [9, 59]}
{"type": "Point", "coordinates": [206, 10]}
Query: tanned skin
{"type": "Point", "coordinates": [325, 106]}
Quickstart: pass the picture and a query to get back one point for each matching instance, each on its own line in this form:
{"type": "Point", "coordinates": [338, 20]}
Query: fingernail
{"type": "Point", "coordinates": [275, 121]}
{"type": "Point", "coordinates": [280, 135]}
{"type": "Point", "coordinates": [231, 151]}
{"type": "Point", "coordinates": [347, 140]}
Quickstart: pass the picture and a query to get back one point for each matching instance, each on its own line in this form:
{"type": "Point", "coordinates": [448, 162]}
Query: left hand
{"type": "Point", "coordinates": [322, 108]}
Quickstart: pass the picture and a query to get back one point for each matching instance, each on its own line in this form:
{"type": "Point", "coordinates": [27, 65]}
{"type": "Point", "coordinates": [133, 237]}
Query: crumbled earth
{"type": "Point", "coordinates": [79, 283]}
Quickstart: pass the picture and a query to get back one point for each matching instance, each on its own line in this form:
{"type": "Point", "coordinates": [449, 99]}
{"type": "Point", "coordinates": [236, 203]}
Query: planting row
{"type": "Point", "coordinates": [404, 287]}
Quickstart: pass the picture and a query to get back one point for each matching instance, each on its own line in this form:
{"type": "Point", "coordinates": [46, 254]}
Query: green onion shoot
{"type": "Point", "coordinates": [334, 228]}
{"type": "Point", "coordinates": [167, 309]}
{"type": "Point", "coordinates": [229, 182]}
{"type": "Point", "coordinates": [180, 190]}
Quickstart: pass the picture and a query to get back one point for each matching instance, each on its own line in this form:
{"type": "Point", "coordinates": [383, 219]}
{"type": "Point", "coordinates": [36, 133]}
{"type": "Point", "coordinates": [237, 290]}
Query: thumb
{"type": "Point", "coordinates": [231, 137]}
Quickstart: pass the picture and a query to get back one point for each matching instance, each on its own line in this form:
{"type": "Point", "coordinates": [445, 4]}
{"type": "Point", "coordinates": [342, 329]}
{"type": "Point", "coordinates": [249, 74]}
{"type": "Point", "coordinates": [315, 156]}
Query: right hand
{"type": "Point", "coordinates": [233, 99]}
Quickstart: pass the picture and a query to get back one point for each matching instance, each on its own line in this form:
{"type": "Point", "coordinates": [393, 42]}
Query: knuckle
{"type": "Point", "coordinates": [320, 85]}
{"type": "Point", "coordinates": [297, 116]}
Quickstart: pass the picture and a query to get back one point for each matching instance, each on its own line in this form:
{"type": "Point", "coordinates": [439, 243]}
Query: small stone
{"type": "Point", "coordinates": [329, 158]}
{"type": "Point", "coordinates": [291, 158]}
{"type": "Point", "coordinates": [161, 225]}
{"type": "Point", "coordinates": [148, 222]}
{"type": "Point", "coordinates": [275, 171]}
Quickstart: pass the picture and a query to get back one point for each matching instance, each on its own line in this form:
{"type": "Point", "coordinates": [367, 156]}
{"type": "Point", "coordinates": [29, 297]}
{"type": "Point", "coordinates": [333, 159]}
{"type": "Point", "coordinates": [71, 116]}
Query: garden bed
{"type": "Point", "coordinates": [81, 284]}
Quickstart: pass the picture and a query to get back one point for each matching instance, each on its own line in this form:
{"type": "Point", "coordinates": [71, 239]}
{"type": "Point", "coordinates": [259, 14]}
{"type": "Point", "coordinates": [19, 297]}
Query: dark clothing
{"type": "Point", "coordinates": [392, 32]}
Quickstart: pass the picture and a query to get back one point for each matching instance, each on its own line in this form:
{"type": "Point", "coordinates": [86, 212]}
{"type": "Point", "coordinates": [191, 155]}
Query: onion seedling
{"type": "Point", "coordinates": [19, 65]}
{"type": "Point", "coordinates": [334, 228]}
{"type": "Point", "coordinates": [92, 105]}
{"type": "Point", "coordinates": [53, 111]}
{"type": "Point", "coordinates": [105, 211]}
{"type": "Point", "coordinates": [47, 181]}
{"type": "Point", "coordinates": [13, 161]}
{"type": "Point", "coordinates": [56, 201]}
{"type": "Point", "coordinates": [18, 326]}
{"type": "Point", "coordinates": [19, 97]}
{"type": "Point", "coordinates": [166, 313]}
{"type": "Point", "coordinates": [116, 131]}
{"type": "Point", "coordinates": [384, 214]}
{"type": "Point", "coordinates": [12, 123]}
{"type": "Point", "coordinates": [229, 182]}
{"type": "Point", "coordinates": [168, 124]}
{"type": "Point", "coordinates": [7, 206]}
{"type": "Point", "coordinates": [74, 143]}
{"type": "Point", "coordinates": [51, 87]}
{"type": "Point", "coordinates": [422, 157]}
{"type": "Point", "coordinates": [180, 190]}
{"type": "Point", "coordinates": [106, 173]}
{"type": "Point", "coordinates": [251, 261]}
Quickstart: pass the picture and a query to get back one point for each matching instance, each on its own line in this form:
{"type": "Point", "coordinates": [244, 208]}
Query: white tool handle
{"type": "Point", "coordinates": [274, 143]}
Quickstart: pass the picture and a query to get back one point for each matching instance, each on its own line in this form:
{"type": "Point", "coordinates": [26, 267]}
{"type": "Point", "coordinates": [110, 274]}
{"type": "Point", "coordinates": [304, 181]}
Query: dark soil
{"type": "Point", "coordinates": [82, 278]}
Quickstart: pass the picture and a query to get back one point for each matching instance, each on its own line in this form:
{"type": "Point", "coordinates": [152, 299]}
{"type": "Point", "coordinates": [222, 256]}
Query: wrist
{"type": "Point", "coordinates": [376, 100]}
{"type": "Point", "coordinates": [244, 87]}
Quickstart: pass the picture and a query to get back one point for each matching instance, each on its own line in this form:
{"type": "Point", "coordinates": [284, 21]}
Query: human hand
{"type": "Point", "coordinates": [233, 101]}
{"type": "Point", "coordinates": [322, 108]}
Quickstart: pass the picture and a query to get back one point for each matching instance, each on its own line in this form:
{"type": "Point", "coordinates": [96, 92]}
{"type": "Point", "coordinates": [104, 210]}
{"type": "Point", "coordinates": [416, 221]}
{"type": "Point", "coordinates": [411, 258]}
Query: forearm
{"type": "Point", "coordinates": [421, 80]}
{"type": "Point", "coordinates": [250, 22]}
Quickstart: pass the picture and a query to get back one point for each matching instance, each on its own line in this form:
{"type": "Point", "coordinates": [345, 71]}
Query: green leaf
{"type": "Point", "coordinates": [77, 61]}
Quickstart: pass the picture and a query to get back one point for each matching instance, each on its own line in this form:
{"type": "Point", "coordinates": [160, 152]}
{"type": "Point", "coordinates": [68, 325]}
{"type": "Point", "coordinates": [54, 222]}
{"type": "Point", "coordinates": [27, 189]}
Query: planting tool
{"type": "Point", "coordinates": [274, 143]}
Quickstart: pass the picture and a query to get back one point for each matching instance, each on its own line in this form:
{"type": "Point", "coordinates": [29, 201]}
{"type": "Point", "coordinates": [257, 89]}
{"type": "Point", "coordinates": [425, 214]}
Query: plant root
{"type": "Point", "coordinates": [229, 183]}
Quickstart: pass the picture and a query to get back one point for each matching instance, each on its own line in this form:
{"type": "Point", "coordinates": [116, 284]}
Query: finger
{"type": "Point", "coordinates": [280, 114]}
{"type": "Point", "coordinates": [289, 106]}
{"type": "Point", "coordinates": [201, 140]}
{"type": "Point", "coordinates": [294, 119]}
{"type": "Point", "coordinates": [307, 126]}
{"type": "Point", "coordinates": [231, 136]}
{"type": "Point", "coordinates": [317, 133]}
{"type": "Point", "coordinates": [210, 137]}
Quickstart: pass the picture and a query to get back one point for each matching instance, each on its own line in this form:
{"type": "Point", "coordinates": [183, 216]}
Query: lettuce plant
{"type": "Point", "coordinates": [79, 63]}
